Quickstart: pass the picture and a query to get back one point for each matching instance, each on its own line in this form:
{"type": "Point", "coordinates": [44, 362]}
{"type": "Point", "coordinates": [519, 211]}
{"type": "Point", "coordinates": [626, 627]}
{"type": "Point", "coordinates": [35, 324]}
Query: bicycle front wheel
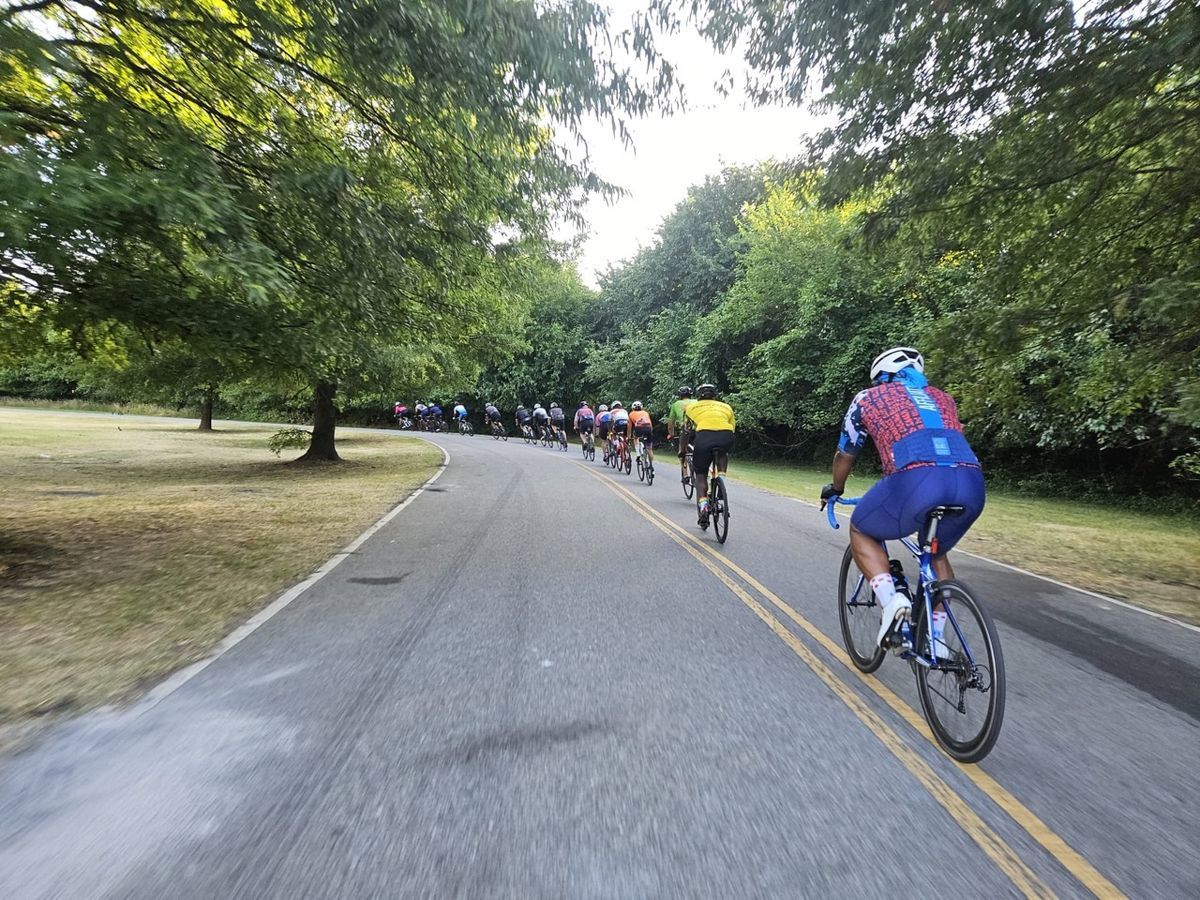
{"type": "Point", "coordinates": [860, 617]}
{"type": "Point", "coordinates": [719, 502]}
{"type": "Point", "coordinates": [963, 695]}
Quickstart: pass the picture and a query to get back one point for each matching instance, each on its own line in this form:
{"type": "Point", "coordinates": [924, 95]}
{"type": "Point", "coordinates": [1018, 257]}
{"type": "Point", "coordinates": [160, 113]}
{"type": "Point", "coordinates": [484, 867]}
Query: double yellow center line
{"type": "Point", "coordinates": [1001, 854]}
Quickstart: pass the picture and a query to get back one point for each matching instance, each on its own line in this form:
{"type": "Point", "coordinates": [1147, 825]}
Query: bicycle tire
{"type": "Point", "coordinates": [641, 467]}
{"type": "Point", "coordinates": [689, 486]}
{"type": "Point", "coordinates": [649, 474]}
{"type": "Point", "coordinates": [719, 510]}
{"type": "Point", "coordinates": [864, 651]}
{"type": "Point", "coordinates": [628, 463]}
{"type": "Point", "coordinates": [933, 684]}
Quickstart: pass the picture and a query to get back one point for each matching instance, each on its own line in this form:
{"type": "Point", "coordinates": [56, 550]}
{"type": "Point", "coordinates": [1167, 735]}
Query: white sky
{"type": "Point", "coordinates": [670, 155]}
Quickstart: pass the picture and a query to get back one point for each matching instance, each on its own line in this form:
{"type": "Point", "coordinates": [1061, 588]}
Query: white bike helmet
{"type": "Point", "coordinates": [637, 404]}
{"type": "Point", "coordinates": [616, 404]}
{"type": "Point", "coordinates": [889, 362]}
{"type": "Point", "coordinates": [603, 408]}
{"type": "Point", "coordinates": [537, 406]}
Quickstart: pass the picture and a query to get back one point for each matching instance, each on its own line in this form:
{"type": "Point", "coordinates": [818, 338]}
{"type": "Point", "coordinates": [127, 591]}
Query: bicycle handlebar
{"type": "Point", "coordinates": [831, 503]}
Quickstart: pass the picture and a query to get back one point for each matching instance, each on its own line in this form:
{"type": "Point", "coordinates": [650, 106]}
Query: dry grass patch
{"type": "Point", "coordinates": [1139, 555]}
{"type": "Point", "coordinates": [128, 549]}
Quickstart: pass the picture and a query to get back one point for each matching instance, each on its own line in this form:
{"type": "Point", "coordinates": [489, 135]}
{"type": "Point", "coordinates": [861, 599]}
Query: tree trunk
{"type": "Point", "coordinates": [324, 422]}
{"type": "Point", "coordinates": [206, 407]}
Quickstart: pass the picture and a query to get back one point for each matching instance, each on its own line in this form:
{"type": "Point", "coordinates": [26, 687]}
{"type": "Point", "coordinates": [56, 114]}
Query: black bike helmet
{"type": "Point", "coordinates": [707, 392]}
{"type": "Point", "coordinates": [685, 391]}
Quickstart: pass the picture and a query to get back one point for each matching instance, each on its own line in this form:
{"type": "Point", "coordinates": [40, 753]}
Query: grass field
{"type": "Point", "coordinates": [1145, 557]}
{"type": "Point", "coordinates": [128, 549]}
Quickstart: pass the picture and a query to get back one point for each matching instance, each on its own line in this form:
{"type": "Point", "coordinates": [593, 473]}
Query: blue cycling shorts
{"type": "Point", "coordinates": [898, 504]}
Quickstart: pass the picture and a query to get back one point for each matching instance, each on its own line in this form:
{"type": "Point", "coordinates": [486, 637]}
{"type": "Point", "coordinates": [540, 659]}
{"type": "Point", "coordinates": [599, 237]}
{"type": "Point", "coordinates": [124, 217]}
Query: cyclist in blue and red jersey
{"type": "Point", "coordinates": [927, 462]}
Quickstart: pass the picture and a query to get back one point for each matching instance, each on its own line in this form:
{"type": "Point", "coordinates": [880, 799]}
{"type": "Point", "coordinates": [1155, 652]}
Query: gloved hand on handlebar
{"type": "Point", "coordinates": [829, 492]}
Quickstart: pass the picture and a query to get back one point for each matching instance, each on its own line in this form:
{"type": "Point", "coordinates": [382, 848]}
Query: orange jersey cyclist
{"type": "Point", "coordinates": [641, 426]}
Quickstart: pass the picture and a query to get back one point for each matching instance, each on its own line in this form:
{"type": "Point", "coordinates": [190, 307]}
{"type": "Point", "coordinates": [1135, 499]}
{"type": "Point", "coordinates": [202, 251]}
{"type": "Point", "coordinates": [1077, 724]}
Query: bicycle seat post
{"type": "Point", "coordinates": [931, 541]}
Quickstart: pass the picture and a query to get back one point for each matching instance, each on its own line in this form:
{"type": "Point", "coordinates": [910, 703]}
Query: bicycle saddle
{"type": "Point", "coordinates": [946, 512]}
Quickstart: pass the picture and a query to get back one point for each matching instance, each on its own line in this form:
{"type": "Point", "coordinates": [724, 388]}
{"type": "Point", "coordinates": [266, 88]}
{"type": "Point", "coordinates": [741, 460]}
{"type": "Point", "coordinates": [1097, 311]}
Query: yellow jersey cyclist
{"type": "Point", "coordinates": [676, 420]}
{"type": "Point", "coordinates": [710, 424]}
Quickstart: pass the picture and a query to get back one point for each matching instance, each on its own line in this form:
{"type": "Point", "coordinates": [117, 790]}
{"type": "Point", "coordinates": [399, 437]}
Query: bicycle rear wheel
{"type": "Point", "coordinates": [641, 467]}
{"type": "Point", "coordinates": [689, 484]}
{"type": "Point", "coordinates": [719, 509]}
{"type": "Point", "coordinates": [649, 473]}
{"type": "Point", "coordinates": [628, 462]}
{"type": "Point", "coordinates": [859, 615]}
{"type": "Point", "coordinates": [963, 697]}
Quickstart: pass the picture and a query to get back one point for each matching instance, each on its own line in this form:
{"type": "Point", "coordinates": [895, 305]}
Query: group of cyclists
{"type": "Point", "coordinates": [427, 416]}
{"type": "Point", "coordinates": [926, 459]}
{"type": "Point", "coordinates": [702, 424]}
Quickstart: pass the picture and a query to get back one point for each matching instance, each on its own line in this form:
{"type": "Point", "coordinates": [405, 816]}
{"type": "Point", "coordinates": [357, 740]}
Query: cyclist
{"type": "Point", "coordinates": [603, 426]}
{"type": "Point", "coordinates": [927, 462]}
{"type": "Point", "coordinates": [460, 413]}
{"type": "Point", "coordinates": [676, 419]}
{"type": "Point", "coordinates": [492, 412]}
{"type": "Point", "coordinates": [522, 417]}
{"type": "Point", "coordinates": [558, 419]}
{"type": "Point", "coordinates": [642, 427]}
{"type": "Point", "coordinates": [619, 423]}
{"type": "Point", "coordinates": [540, 420]}
{"type": "Point", "coordinates": [585, 421]}
{"type": "Point", "coordinates": [421, 407]}
{"type": "Point", "coordinates": [434, 412]}
{"type": "Point", "coordinates": [710, 425]}
{"type": "Point", "coordinates": [399, 411]}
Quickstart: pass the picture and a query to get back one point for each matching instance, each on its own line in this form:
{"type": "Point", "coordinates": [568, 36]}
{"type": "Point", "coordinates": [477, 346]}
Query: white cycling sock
{"type": "Point", "coordinates": [937, 632]}
{"type": "Point", "coordinates": [884, 588]}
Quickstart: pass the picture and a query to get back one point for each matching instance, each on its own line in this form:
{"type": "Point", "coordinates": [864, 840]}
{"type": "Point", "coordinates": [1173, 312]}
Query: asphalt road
{"type": "Point", "coordinates": [531, 683]}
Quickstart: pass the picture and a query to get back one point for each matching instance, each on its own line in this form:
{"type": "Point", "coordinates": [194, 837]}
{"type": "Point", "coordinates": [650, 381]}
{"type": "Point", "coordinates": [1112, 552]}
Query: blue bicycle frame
{"type": "Point", "coordinates": [924, 555]}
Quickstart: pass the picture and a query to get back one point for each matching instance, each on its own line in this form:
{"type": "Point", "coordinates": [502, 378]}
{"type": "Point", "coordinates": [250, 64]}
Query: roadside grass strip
{"type": "Point", "coordinates": [129, 549]}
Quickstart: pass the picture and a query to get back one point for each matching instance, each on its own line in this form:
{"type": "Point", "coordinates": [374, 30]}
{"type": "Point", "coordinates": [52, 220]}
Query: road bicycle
{"type": "Point", "coordinates": [548, 439]}
{"type": "Point", "coordinates": [689, 485]}
{"type": "Point", "coordinates": [960, 678]}
{"type": "Point", "coordinates": [404, 423]}
{"type": "Point", "coordinates": [499, 432]}
{"type": "Point", "coordinates": [588, 442]}
{"type": "Point", "coordinates": [560, 432]}
{"type": "Point", "coordinates": [621, 460]}
{"type": "Point", "coordinates": [718, 495]}
{"type": "Point", "coordinates": [644, 466]}
{"type": "Point", "coordinates": [465, 427]}
{"type": "Point", "coordinates": [527, 433]}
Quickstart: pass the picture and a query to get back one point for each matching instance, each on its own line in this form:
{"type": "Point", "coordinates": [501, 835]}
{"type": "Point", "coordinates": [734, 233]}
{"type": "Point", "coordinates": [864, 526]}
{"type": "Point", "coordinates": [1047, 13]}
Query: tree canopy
{"type": "Point", "coordinates": [306, 187]}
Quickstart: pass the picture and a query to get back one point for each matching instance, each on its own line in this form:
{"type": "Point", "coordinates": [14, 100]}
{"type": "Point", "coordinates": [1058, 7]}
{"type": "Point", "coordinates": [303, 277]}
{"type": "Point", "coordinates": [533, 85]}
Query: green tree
{"type": "Point", "coordinates": [294, 185]}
